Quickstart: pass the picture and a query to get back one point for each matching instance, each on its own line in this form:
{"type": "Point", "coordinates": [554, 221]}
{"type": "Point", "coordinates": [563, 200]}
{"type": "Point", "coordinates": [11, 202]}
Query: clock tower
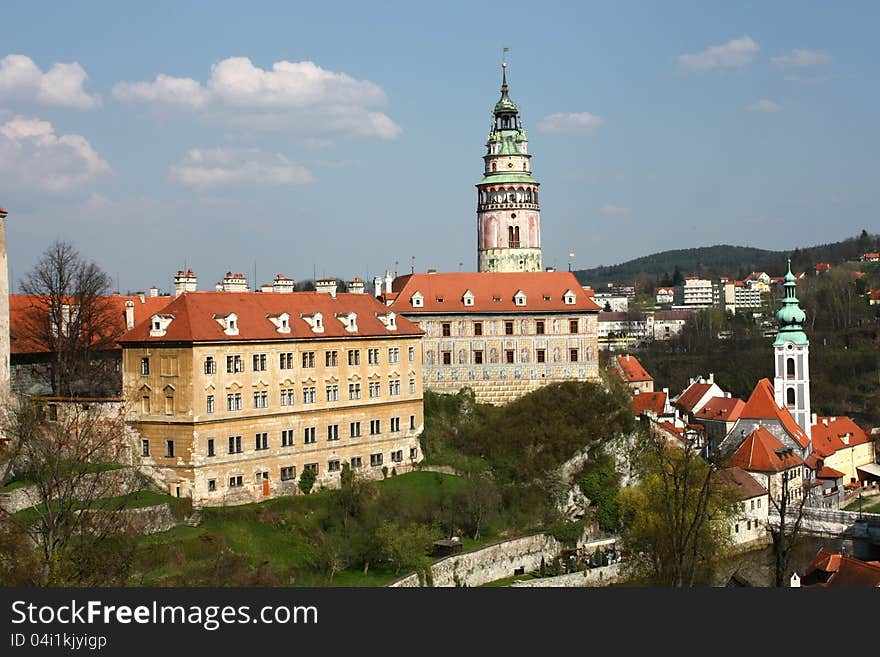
{"type": "Point", "coordinates": [508, 214]}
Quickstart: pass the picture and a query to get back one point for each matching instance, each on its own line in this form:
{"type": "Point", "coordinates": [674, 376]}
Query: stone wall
{"type": "Point", "coordinates": [490, 563]}
{"type": "Point", "coordinates": [111, 483]}
{"type": "Point", "coordinates": [602, 576]}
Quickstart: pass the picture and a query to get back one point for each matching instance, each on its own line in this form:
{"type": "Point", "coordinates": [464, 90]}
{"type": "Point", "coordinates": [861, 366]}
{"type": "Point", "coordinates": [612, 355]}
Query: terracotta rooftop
{"type": "Point", "coordinates": [835, 570]}
{"type": "Point", "coordinates": [829, 473]}
{"type": "Point", "coordinates": [762, 406]}
{"type": "Point", "coordinates": [632, 369]}
{"type": "Point", "coordinates": [194, 316]}
{"type": "Point", "coordinates": [28, 315]}
{"type": "Point", "coordinates": [649, 401]}
{"type": "Point", "coordinates": [828, 435]}
{"type": "Point", "coordinates": [743, 484]}
{"type": "Point", "coordinates": [493, 292]}
{"type": "Point", "coordinates": [758, 454]}
{"type": "Point", "coordinates": [723, 409]}
{"type": "Point", "coordinates": [692, 395]}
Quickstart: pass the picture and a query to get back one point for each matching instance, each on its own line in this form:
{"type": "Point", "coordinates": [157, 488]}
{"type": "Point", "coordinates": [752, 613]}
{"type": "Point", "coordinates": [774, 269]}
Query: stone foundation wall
{"type": "Point", "coordinates": [602, 576]}
{"type": "Point", "coordinates": [491, 392]}
{"type": "Point", "coordinates": [112, 483]}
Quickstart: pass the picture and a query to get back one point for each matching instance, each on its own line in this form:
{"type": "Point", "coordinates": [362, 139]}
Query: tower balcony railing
{"type": "Point", "coordinates": [508, 205]}
{"type": "Point", "coordinates": [513, 244]}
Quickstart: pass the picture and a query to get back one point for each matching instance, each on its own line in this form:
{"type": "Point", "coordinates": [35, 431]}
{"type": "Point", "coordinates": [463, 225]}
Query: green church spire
{"type": "Point", "coordinates": [790, 316]}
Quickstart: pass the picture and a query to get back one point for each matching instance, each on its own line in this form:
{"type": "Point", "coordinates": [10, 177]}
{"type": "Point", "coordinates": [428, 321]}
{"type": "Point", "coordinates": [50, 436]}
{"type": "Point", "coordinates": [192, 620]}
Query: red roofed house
{"type": "Point", "coordinates": [874, 298]}
{"type": "Point", "coordinates": [235, 394]}
{"type": "Point", "coordinates": [761, 455]}
{"type": "Point", "coordinates": [822, 267]}
{"type": "Point", "coordinates": [844, 446]}
{"type": "Point", "coordinates": [750, 524]}
{"type": "Point", "coordinates": [633, 374]}
{"type": "Point", "coordinates": [835, 570]}
{"type": "Point", "coordinates": [664, 295]}
{"type": "Point", "coordinates": [651, 404]}
{"type": "Point", "coordinates": [870, 257]}
{"type": "Point", "coordinates": [696, 395]}
{"type": "Point", "coordinates": [501, 334]}
{"type": "Point", "coordinates": [718, 416]}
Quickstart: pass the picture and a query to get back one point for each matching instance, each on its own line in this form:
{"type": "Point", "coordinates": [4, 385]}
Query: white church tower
{"type": "Point", "coordinates": [791, 351]}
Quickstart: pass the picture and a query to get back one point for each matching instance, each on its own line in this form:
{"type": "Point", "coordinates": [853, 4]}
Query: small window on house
{"type": "Point", "coordinates": [210, 447]}
{"type": "Point", "coordinates": [447, 358]}
{"type": "Point", "coordinates": [508, 356]}
{"type": "Point", "coordinates": [145, 366]}
{"type": "Point", "coordinates": [508, 328]}
{"type": "Point", "coordinates": [573, 355]}
{"type": "Point", "coordinates": [145, 448]}
{"type": "Point", "coordinates": [212, 485]}
{"type": "Point", "coordinates": [446, 329]}
{"type": "Point", "coordinates": [572, 326]}
{"type": "Point", "coordinates": [539, 327]}
{"type": "Point", "coordinates": [169, 448]}
{"type": "Point", "coordinates": [478, 328]}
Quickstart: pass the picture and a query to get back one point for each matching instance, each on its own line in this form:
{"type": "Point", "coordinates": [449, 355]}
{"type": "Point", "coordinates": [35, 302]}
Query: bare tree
{"type": "Point", "coordinates": [71, 317]}
{"type": "Point", "coordinates": [73, 528]}
{"type": "Point", "coordinates": [786, 536]}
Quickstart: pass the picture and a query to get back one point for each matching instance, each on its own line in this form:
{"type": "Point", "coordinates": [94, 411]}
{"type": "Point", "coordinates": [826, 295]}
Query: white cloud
{"type": "Point", "coordinates": [736, 52]}
{"type": "Point", "coordinates": [570, 123]}
{"type": "Point", "coordinates": [324, 100]}
{"type": "Point", "coordinates": [32, 156]}
{"type": "Point", "coordinates": [764, 105]}
{"type": "Point", "coordinates": [203, 168]}
{"type": "Point", "coordinates": [801, 57]}
{"type": "Point", "coordinates": [60, 86]}
{"type": "Point", "coordinates": [610, 210]}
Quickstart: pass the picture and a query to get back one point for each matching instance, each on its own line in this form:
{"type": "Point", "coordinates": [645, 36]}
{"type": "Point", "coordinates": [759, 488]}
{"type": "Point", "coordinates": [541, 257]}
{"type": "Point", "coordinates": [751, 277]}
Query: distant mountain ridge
{"type": "Point", "coordinates": [726, 260]}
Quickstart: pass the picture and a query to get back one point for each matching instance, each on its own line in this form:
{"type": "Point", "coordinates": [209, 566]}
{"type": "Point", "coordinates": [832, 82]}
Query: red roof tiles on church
{"type": "Point", "coordinates": [762, 406]}
{"type": "Point", "coordinates": [758, 454]}
{"type": "Point", "coordinates": [492, 292]}
{"type": "Point", "coordinates": [194, 314]}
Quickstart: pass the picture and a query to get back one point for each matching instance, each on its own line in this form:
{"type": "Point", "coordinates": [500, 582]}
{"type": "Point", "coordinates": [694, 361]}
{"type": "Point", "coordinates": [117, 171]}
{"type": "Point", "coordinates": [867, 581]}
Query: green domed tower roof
{"type": "Point", "coordinates": [791, 317]}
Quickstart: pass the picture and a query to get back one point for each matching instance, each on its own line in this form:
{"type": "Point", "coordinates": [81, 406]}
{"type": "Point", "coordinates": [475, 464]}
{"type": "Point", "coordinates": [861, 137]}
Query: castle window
{"type": "Point", "coordinates": [509, 356]}
{"type": "Point", "coordinates": [539, 327]}
{"type": "Point", "coordinates": [145, 366]}
{"type": "Point", "coordinates": [446, 329]}
{"type": "Point", "coordinates": [508, 328]}
{"type": "Point", "coordinates": [478, 328]}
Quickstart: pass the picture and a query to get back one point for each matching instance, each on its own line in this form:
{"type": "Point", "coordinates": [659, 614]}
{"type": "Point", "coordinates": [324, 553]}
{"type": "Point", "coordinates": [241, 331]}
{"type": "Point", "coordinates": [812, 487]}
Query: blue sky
{"type": "Point", "coordinates": [341, 138]}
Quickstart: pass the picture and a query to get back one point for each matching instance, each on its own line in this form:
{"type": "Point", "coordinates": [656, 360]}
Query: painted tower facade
{"type": "Point", "coordinates": [791, 352]}
{"type": "Point", "coordinates": [508, 214]}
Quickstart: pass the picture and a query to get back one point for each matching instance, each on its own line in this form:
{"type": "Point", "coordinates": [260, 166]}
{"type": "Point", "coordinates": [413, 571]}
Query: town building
{"type": "Point", "coordinates": [698, 393]}
{"type": "Point", "coordinates": [764, 457]}
{"type": "Point", "coordinates": [845, 447]}
{"type": "Point", "coordinates": [501, 334]}
{"type": "Point", "coordinates": [833, 570]}
{"type": "Point", "coordinates": [750, 523]}
{"type": "Point", "coordinates": [791, 351]}
{"type": "Point", "coordinates": [664, 295]}
{"type": "Point", "coordinates": [633, 374]}
{"type": "Point", "coordinates": [718, 415]}
{"type": "Point", "coordinates": [235, 394]}
{"type": "Point", "coordinates": [870, 257]}
{"type": "Point", "coordinates": [695, 292]}
{"type": "Point", "coordinates": [508, 213]}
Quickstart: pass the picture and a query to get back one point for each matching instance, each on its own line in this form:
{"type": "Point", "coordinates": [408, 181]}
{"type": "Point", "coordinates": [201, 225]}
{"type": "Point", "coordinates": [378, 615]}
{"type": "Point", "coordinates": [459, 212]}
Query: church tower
{"type": "Point", "coordinates": [508, 215]}
{"type": "Point", "coordinates": [791, 351]}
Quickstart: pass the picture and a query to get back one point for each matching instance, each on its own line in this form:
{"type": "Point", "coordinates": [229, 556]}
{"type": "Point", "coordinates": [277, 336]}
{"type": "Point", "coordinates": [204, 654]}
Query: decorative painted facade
{"type": "Point", "coordinates": [235, 394]}
{"type": "Point", "coordinates": [501, 334]}
{"type": "Point", "coordinates": [508, 213]}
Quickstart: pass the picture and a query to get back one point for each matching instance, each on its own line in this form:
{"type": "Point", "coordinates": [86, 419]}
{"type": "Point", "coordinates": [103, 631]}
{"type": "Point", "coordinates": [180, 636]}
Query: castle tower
{"type": "Point", "coordinates": [508, 215]}
{"type": "Point", "coordinates": [791, 351]}
{"type": "Point", "coordinates": [4, 311]}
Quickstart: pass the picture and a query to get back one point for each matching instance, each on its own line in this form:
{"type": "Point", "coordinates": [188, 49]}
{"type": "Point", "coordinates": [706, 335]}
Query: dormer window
{"type": "Point", "coordinates": [389, 320]}
{"type": "Point", "coordinates": [315, 321]}
{"type": "Point", "coordinates": [468, 298]}
{"type": "Point", "coordinates": [568, 298]}
{"type": "Point", "coordinates": [496, 299]}
{"type": "Point", "coordinates": [229, 323]}
{"type": "Point", "coordinates": [349, 321]}
{"type": "Point", "coordinates": [546, 298]}
{"type": "Point", "coordinates": [418, 300]}
{"type": "Point", "coordinates": [519, 298]}
{"type": "Point", "coordinates": [159, 325]}
{"type": "Point", "coordinates": [281, 322]}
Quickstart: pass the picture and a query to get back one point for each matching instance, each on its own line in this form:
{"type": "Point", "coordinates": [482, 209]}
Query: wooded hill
{"type": "Point", "coordinates": [726, 260]}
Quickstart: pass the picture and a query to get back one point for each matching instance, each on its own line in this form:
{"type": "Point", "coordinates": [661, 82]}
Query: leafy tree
{"type": "Point", "coordinates": [600, 482]}
{"type": "Point", "coordinates": [307, 480]}
{"type": "Point", "coordinates": [355, 493]}
{"type": "Point", "coordinates": [787, 534]}
{"type": "Point", "coordinates": [406, 547]}
{"type": "Point", "coordinates": [676, 520]}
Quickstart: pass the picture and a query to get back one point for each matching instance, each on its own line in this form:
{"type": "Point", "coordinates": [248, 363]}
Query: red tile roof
{"type": "Point", "coordinates": [833, 570]}
{"type": "Point", "coordinates": [762, 406]}
{"type": "Point", "coordinates": [758, 454]}
{"type": "Point", "coordinates": [829, 473]}
{"type": "Point", "coordinates": [632, 369]}
{"type": "Point", "coordinates": [828, 435]}
{"type": "Point", "coordinates": [743, 485]}
{"type": "Point", "coordinates": [544, 292]}
{"type": "Point", "coordinates": [723, 409]}
{"type": "Point", "coordinates": [27, 313]}
{"type": "Point", "coordinates": [822, 266]}
{"type": "Point", "coordinates": [194, 314]}
{"type": "Point", "coordinates": [649, 401]}
{"type": "Point", "coordinates": [692, 396]}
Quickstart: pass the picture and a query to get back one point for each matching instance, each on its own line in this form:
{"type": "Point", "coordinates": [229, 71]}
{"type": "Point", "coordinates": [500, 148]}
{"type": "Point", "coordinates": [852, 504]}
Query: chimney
{"type": "Point", "coordinates": [154, 291]}
{"type": "Point", "coordinates": [234, 283]}
{"type": "Point", "coordinates": [184, 281]}
{"type": "Point", "coordinates": [283, 284]}
{"type": "Point", "coordinates": [627, 358]}
{"type": "Point", "coordinates": [727, 395]}
{"type": "Point", "coordinates": [550, 269]}
{"type": "Point", "coordinates": [356, 286]}
{"type": "Point", "coordinates": [218, 286]}
{"type": "Point", "coordinates": [711, 377]}
{"type": "Point", "coordinates": [326, 286]}
{"type": "Point", "coordinates": [389, 279]}
{"type": "Point", "coordinates": [142, 296]}
{"type": "Point", "coordinates": [844, 437]}
{"type": "Point", "coordinates": [825, 421]}
{"type": "Point", "coordinates": [377, 286]}
{"type": "Point", "coordinates": [431, 271]}
{"type": "Point", "coordinates": [815, 418]}
{"type": "Point", "coordinates": [129, 314]}
{"type": "Point", "coordinates": [267, 287]}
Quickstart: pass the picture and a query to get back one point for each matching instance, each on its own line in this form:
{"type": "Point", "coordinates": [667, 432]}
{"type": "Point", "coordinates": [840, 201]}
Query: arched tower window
{"type": "Point", "coordinates": [789, 397]}
{"type": "Point", "coordinates": [494, 166]}
{"type": "Point", "coordinates": [789, 367]}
